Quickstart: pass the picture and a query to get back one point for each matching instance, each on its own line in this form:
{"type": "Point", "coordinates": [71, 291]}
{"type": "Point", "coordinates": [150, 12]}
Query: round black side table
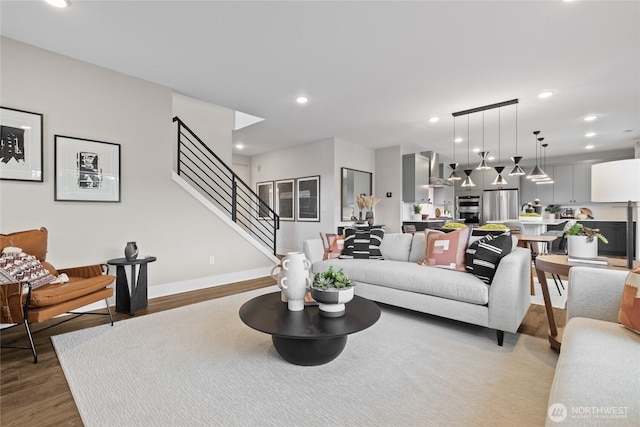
{"type": "Point", "coordinates": [134, 297]}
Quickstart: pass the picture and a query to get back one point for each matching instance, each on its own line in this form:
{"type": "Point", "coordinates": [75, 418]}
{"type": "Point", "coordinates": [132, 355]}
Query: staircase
{"type": "Point", "coordinates": [203, 174]}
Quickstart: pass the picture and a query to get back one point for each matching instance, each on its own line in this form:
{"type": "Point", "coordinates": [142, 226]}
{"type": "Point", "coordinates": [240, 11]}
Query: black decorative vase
{"type": "Point", "coordinates": [131, 251]}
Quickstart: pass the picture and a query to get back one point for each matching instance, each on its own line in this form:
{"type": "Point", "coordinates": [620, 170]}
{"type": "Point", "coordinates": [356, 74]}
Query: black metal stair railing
{"type": "Point", "coordinates": [215, 180]}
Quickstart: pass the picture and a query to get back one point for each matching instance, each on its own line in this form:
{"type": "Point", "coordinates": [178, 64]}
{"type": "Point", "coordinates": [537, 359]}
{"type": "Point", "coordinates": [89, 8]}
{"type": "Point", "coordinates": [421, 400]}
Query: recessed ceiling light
{"type": "Point", "coordinates": [302, 100]}
{"type": "Point", "coordinates": [590, 118]}
{"type": "Point", "coordinates": [491, 158]}
{"type": "Point", "coordinates": [590, 134]}
{"type": "Point", "coordinates": [589, 147]}
{"type": "Point", "coordinates": [434, 119]}
{"type": "Point", "coordinates": [476, 150]}
{"type": "Point", "coordinates": [545, 94]}
{"type": "Point", "coordinates": [59, 3]}
{"type": "Point", "coordinates": [239, 146]}
{"type": "Point", "coordinates": [457, 140]}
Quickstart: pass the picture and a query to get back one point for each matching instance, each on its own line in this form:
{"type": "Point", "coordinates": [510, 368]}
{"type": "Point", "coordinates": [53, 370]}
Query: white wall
{"type": "Point", "coordinates": [82, 100]}
{"type": "Point", "coordinates": [315, 158]}
{"type": "Point", "coordinates": [388, 178]}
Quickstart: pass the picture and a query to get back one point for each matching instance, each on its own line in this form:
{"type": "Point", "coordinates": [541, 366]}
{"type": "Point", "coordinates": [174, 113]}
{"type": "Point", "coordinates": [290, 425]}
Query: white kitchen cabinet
{"type": "Point", "coordinates": [572, 183]}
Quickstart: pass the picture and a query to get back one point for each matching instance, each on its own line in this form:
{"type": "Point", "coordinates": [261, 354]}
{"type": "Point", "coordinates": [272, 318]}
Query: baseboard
{"type": "Point", "coordinates": [173, 288]}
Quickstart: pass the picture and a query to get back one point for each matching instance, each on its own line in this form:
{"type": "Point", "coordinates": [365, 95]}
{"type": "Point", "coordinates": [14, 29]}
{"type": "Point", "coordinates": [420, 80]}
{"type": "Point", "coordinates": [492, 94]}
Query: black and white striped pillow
{"type": "Point", "coordinates": [362, 244]}
{"type": "Point", "coordinates": [483, 256]}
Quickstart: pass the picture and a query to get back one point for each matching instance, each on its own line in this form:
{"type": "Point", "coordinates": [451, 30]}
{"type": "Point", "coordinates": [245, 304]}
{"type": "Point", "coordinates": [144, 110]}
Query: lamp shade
{"type": "Point", "coordinates": [617, 181]}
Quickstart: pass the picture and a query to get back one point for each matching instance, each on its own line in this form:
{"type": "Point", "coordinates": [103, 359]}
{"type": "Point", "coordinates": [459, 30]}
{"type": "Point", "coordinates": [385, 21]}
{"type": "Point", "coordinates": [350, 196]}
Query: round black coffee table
{"type": "Point", "coordinates": [304, 337]}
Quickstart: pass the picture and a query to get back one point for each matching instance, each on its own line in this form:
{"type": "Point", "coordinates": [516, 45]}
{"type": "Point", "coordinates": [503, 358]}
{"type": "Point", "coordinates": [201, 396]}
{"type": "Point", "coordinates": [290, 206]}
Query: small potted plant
{"type": "Point", "coordinates": [583, 241]}
{"type": "Point", "coordinates": [552, 210]}
{"type": "Point", "coordinates": [332, 289]}
{"type": "Point", "coordinates": [417, 212]}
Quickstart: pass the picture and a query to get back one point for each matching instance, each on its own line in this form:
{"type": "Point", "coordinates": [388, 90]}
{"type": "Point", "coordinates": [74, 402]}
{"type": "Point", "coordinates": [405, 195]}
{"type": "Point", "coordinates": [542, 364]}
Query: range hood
{"type": "Point", "coordinates": [436, 170]}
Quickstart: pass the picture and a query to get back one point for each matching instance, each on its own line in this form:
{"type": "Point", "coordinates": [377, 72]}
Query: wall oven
{"type": "Point", "coordinates": [469, 208]}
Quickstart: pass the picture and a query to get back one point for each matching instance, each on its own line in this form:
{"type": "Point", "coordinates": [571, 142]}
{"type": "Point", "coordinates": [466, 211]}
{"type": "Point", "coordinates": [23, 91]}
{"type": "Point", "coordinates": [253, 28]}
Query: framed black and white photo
{"type": "Point", "coordinates": [285, 202]}
{"type": "Point", "coordinates": [265, 202]}
{"type": "Point", "coordinates": [86, 170]}
{"type": "Point", "coordinates": [308, 191]}
{"type": "Point", "coordinates": [21, 145]}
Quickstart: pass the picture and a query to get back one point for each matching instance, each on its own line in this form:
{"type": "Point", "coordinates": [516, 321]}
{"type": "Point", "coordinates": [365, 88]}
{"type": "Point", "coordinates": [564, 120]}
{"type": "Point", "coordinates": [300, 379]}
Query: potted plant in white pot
{"type": "Point", "coordinates": [552, 210]}
{"type": "Point", "coordinates": [417, 212]}
{"type": "Point", "coordinates": [332, 289]}
{"type": "Point", "coordinates": [583, 241]}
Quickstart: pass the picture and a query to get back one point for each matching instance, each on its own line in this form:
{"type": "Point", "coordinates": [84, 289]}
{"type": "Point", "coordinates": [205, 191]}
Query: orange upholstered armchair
{"type": "Point", "coordinates": [23, 303]}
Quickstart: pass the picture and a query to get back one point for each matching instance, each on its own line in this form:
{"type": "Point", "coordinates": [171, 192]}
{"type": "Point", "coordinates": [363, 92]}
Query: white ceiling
{"type": "Point", "coordinates": [374, 72]}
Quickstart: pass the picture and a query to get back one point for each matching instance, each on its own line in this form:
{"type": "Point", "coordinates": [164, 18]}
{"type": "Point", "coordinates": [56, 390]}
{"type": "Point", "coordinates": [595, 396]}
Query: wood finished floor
{"type": "Point", "coordinates": [38, 395]}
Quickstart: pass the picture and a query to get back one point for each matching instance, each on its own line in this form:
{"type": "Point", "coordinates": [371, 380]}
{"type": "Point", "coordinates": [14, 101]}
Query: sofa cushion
{"type": "Point", "coordinates": [629, 313]}
{"type": "Point", "coordinates": [362, 244]}
{"type": "Point", "coordinates": [396, 246]}
{"type": "Point", "coordinates": [483, 256]}
{"type": "Point", "coordinates": [448, 250]}
{"type": "Point", "coordinates": [412, 277]}
{"type": "Point", "coordinates": [33, 242]}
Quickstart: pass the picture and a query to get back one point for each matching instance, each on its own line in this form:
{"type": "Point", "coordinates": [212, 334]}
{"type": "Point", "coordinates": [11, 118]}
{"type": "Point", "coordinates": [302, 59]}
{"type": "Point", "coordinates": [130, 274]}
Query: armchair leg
{"type": "Point", "coordinates": [106, 301]}
{"type": "Point", "coordinates": [500, 337]}
{"type": "Point", "coordinates": [33, 347]}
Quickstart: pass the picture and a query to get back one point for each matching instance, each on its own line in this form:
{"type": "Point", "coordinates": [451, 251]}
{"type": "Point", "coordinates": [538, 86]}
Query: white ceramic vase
{"type": "Point", "coordinates": [295, 279]}
{"type": "Point", "coordinates": [278, 273]}
{"type": "Point", "coordinates": [579, 247]}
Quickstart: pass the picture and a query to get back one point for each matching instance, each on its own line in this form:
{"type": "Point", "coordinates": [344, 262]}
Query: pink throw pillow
{"type": "Point", "coordinates": [448, 249]}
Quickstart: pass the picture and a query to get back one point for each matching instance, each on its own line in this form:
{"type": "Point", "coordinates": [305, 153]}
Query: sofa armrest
{"type": "Point", "coordinates": [85, 271]}
{"type": "Point", "coordinates": [313, 250]}
{"type": "Point", "coordinates": [595, 293]}
{"type": "Point", "coordinates": [509, 297]}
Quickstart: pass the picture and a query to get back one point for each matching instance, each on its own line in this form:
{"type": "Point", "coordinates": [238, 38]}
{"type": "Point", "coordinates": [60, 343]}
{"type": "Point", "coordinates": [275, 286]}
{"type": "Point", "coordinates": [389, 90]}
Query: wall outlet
{"type": "Point", "coordinates": [212, 259]}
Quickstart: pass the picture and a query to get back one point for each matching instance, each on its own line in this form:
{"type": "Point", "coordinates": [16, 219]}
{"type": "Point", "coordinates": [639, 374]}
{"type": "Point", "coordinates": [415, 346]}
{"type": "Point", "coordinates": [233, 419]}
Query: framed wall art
{"type": "Point", "coordinates": [86, 170]}
{"type": "Point", "coordinates": [285, 202]}
{"type": "Point", "coordinates": [265, 202]}
{"type": "Point", "coordinates": [20, 145]}
{"type": "Point", "coordinates": [308, 191]}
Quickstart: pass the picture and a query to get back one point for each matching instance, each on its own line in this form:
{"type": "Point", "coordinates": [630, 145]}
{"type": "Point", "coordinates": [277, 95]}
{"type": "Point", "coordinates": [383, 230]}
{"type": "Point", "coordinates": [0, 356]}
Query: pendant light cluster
{"type": "Point", "coordinates": [499, 181]}
{"type": "Point", "coordinates": [546, 179]}
{"type": "Point", "coordinates": [536, 172]}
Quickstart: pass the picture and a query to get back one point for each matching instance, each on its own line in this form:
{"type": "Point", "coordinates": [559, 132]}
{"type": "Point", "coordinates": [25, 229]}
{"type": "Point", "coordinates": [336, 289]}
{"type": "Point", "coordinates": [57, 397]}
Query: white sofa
{"type": "Point", "coordinates": [400, 281]}
{"type": "Point", "coordinates": [597, 378]}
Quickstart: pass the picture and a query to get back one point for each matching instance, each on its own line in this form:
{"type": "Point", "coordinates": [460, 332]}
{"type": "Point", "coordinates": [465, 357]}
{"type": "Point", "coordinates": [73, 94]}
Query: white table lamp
{"type": "Point", "coordinates": [618, 181]}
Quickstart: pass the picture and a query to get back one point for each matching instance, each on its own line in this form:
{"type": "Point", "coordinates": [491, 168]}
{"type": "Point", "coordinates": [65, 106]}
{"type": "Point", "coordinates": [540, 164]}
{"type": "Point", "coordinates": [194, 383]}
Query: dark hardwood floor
{"type": "Point", "coordinates": [38, 395]}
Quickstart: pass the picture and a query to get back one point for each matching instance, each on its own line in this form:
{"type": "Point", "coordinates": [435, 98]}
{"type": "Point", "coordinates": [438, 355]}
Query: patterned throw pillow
{"type": "Point", "coordinates": [447, 249]}
{"type": "Point", "coordinates": [629, 313]}
{"type": "Point", "coordinates": [20, 267]}
{"type": "Point", "coordinates": [483, 256]}
{"type": "Point", "coordinates": [362, 244]}
{"type": "Point", "coordinates": [335, 244]}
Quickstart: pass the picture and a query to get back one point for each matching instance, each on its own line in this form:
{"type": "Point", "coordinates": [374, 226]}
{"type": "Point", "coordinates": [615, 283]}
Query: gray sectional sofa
{"type": "Point", "coordinates": [400, 281]}
{"type": "Point", "coordinates": [597, 378]}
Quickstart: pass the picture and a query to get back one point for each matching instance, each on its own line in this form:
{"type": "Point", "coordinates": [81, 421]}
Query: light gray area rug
{"type": "Point", "coordinates": [199, 365]}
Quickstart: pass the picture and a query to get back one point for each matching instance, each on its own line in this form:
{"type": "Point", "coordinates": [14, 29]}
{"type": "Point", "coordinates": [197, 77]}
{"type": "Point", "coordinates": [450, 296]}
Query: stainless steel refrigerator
{"type": "Point", "coordinates": [500, 205]}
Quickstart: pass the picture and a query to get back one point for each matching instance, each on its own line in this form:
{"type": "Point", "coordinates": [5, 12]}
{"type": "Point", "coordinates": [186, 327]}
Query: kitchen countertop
{"type": "Point", "coordinates": [429, 220]}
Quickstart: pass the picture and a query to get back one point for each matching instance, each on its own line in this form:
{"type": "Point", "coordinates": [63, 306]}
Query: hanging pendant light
{"type": "Point", "coordinates": [454, 175]}
{"type": "Point", "coordinates": [517, 170]}
{"type": "Point", "coordinates": [536, 172]}
{"type": "Point", "coordinates": [547, 179]}
{"type": "Point", "coordinates": [484, 154]}
{"type": "Point", "coordinates": [467, 181]}
{"type": "Point", "coordinates": [499, 181]}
